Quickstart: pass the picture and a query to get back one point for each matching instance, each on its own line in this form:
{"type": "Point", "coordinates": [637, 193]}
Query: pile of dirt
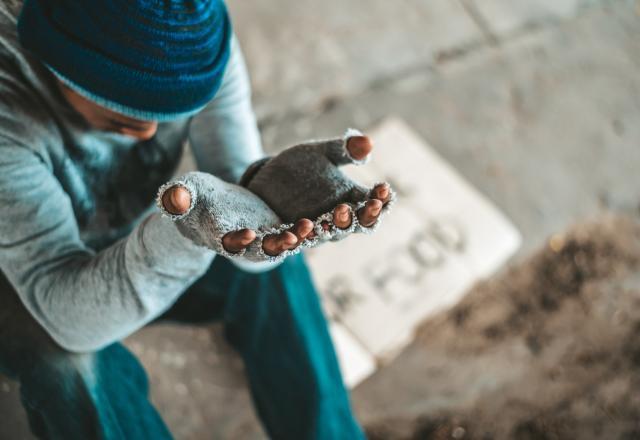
{"type": "Point", "coordinates": [548, 350]}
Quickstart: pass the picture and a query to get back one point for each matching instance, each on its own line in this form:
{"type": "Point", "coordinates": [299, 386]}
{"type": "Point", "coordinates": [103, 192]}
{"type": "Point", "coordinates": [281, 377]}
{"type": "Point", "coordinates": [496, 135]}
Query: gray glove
{"type": "Point", "coordinates": [301, 182]}
{"type": "Point", "coordinates": [304, 181]}
{"type": "Point", "coordinates": [218, 207]}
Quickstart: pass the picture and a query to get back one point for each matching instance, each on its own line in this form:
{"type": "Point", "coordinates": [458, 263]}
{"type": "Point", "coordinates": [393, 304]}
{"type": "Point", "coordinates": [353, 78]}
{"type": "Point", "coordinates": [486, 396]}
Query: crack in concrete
{"type": "Point", "coordinates": [489, 41]}
{"type": "Point", "coordinates": [480, 21]}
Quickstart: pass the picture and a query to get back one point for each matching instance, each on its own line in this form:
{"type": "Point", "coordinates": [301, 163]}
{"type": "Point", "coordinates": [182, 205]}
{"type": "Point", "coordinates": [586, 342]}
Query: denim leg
{"type": "Point", "coordinates": [102, 395]}
{"type": "Point", "coordinates": [274, 320]}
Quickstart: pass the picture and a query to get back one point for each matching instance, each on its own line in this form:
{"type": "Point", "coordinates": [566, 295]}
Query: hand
{"type": "Point", "coordinates": [234, 221]}
{"type": "Point", "coordinates": [272, 244]}
{"type": "Point", "coordinates": [305, 181]}
{"type": "Point", "coordinates": [177, 201]}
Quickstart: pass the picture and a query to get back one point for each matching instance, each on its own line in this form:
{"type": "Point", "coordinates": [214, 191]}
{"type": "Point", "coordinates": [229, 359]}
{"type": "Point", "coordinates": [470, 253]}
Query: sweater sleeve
{"type": "Point", "coordinates": [224, 135]}
{"type": "Point", "coordinates": [85, 300]}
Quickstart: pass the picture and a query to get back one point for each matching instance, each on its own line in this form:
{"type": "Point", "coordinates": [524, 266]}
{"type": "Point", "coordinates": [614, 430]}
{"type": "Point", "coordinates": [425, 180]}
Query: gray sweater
{"type": "Point", "coordinates": [80, 240]}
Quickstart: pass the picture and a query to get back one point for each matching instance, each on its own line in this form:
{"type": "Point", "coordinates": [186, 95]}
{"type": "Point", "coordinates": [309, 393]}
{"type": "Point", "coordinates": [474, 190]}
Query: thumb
{"type": "Point", "coordinates": [176, 200]}
{"type": "Point", "coordinates": [359, 147]}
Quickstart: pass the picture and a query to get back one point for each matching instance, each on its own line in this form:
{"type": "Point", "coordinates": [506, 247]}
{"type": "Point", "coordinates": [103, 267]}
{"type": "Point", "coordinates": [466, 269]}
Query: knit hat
{"type": "Point", "coordinates": [148, 59]}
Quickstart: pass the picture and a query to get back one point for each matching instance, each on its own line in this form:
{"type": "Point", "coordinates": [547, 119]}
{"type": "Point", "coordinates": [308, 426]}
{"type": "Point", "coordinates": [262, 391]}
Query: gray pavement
{"type": "Point", "coordinates": [302, 54]}
{"type": "Point", "coordinates": [536, 103]}
{"type": "Point", "coordinates": [545, 124]}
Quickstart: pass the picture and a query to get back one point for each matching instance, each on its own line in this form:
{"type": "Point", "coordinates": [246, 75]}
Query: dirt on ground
{"type": "Point", "coordinates": [550, 349]}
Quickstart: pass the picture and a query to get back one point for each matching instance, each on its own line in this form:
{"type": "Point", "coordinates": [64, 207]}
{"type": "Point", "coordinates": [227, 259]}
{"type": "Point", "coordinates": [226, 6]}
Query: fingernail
{"type": "Point", "coordinates": [359, 142]}
{"type": "Point", "coordinates": [180, 199]}
{"type": "Point", "coordinates": [247, 240]}
{"type": "Point", "coordinates": [359, 146]}
{"type": "Point", "coordinates": [307, 226]}
{"type": "Point", "coordinates": [176, 200]}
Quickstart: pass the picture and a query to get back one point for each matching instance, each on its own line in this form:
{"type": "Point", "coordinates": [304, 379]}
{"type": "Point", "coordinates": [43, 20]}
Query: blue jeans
{"type": "Point", "coordinates": [273, 319]}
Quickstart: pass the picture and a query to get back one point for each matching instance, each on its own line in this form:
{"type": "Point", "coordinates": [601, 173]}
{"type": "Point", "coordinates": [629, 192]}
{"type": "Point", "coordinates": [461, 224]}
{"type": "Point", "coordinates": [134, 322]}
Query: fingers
{"type": "Point", "coordinates": [342, 216]}
{"type": "Point", "coordinates": [359, 147]}
{"type": "Point", "coordinates": [381, 192]}
{"type": "Point", "coordinates": [238, 240]}
{"type": "Point", "coordinates": [302, 229]}
{"type": "Point", "coordinates": [176, 200]}
{"type": "Point", "coordinates": [273, 245]}
{"type": "Point", "coordinates": [277, 243]}
{"type": "Point", "coordinates": [368, 214]}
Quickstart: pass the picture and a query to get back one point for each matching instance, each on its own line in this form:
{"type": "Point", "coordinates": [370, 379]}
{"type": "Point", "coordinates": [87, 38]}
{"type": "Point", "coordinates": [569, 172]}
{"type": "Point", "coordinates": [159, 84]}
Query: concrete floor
{"type": "Point", "coordinates": [536, 103]}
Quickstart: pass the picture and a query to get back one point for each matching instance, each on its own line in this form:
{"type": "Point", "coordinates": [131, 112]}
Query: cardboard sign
{"type": "Point", "coordinates": [440, 237]}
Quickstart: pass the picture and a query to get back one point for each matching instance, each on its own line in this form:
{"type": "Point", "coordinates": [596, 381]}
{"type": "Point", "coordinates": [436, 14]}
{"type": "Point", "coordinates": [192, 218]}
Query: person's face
{"type": "Point", "coordinates": [102, 118]}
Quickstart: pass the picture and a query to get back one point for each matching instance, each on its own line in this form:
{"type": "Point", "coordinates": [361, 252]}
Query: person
{"type": "Point", "coordinates": [98, 99]}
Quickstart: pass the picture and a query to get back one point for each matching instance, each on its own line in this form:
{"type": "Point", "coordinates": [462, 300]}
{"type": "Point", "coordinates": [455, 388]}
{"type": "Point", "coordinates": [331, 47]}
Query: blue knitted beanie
{"type": "Point", "coordinates": [148, 59]}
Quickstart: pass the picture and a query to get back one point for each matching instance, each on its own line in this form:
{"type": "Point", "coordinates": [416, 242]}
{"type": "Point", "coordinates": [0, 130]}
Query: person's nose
{"type": "Point", "coordinates": [142, 134]}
